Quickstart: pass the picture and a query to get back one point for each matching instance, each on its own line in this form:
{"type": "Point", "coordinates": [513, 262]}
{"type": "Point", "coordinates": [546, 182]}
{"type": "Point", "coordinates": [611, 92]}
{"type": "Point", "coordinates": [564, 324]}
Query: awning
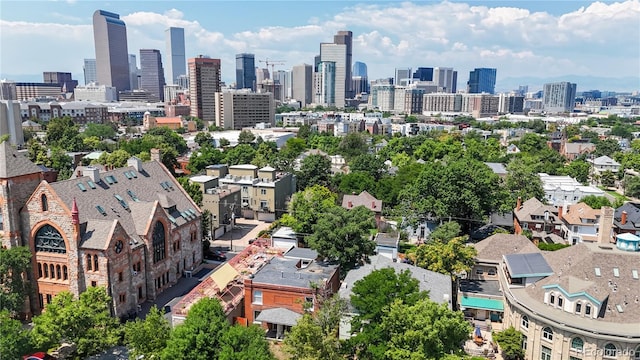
{"type": "Point", "coordinates": [224, 275]}
{"type": "Point", "coordinates": [280, 316]}
{"type": "Point", "coordinates": [471, 302]}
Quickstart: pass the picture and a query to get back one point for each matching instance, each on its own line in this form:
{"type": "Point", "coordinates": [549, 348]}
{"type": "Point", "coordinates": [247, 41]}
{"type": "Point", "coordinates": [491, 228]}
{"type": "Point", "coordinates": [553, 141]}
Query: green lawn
{"type": "Point", "coordinates": [615, 194]}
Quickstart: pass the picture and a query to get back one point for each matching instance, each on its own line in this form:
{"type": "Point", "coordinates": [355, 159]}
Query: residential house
{"type": "Point", "coordinates": [364, 199]}
{"type": "Point", "coordinates": [498, 169]}
{"type": "Point", "coordinates": [283, 288]}
{"type": "Point", "coordinates": [438, 285]}
{"type": "Point", "coordinates": [580, 223]}
{"type": "Point", "coordinates": [223, 205]}
{"type": "Point", "coordinates": [298, 161]}
{"type": "Point", "coordinates": [572, 150]}
{"type": "Point", "coordinates": [604, 163]}
{"type": "Point", "coordinates": [541, 219]}
{"type": "Point", "coordinates": [387, 245]}
{"type": "Point", "coordinates": [627, 219]}
{"type": "Point", "coordinates": [133, 230]}
{"type": "Point", "coordinates": [565, 190]}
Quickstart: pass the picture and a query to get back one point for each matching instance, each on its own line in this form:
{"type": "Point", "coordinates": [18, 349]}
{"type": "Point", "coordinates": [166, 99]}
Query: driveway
{"type": "Point", "coordinates": [238, 238]}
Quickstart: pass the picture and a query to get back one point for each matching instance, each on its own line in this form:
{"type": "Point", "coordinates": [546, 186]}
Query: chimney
{"type": "Point", "coordinates": [623, 218]}
{"type": "Point", "coordinates": [92, 172]}
{"type": "Point", "coordinates": [75, 217]}
{"type": "Point", "coordinates": [135, 163]}
{"type": "Point", "coordinates": [156, 155]}
{"type": "Point", "coordinates": [350, 205]}
{"type": "Point", "coordinates": [560, 208]}
{"type": "Point", "coordinates": [606, 225]}
{"type": "Point", "coordinates": [373, 204]}
{"type": "Point", "coordinates": [519, 203]}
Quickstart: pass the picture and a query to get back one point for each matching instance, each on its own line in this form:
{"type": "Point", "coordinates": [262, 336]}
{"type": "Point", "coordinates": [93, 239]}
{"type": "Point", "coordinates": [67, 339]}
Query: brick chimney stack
{"type": "Point", "coordinates": [75, 220]}
{"type": "Point", "coordinates": [519, 203]}
{"type": "Point", "coordinates": [560, 208]}
{"type": "Point", "coordinates": [623, 218]}
{"type": "Point", "coordinates": [606, 225]}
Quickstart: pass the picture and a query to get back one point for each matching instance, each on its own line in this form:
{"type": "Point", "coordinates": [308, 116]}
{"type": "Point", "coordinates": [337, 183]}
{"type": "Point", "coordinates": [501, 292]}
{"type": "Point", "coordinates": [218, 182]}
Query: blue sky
{"type": "Point", "coordinates": [532, 39]}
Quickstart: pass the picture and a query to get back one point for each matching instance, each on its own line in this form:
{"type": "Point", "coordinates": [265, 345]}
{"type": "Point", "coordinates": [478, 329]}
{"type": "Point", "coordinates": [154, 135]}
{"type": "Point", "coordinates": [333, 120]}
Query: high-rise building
{"type": "Point", "coordinates": [359, 69]}
{"type": "Point", "coordinates": [204, 83]}
{"type": "Point", "coordinates": [262, 74]}
{"type": "Point", "coordinates": [282, 85]}
{"type": "Point", "coordinates": [510, 104]}
{"type": "Point", "coordinates": [346, 38]}
{"type": "Point", "coordinates": [360, 84]}
{"type": "Point", "coordinates": [134, 72]}
{"type": "Point", "coordinates": [8, 90]}
{"type": "Point", "coordinates": [175, 57]}
{"type": "Point", "coordinates": [246, 71]}
{"type": "Point", "coordinates": [446, 79]}
{"type": "Point", "coordinates": [90, 72]}
{"type": "Point", "coordinates": [559, 97]}
{"type": "Point", "coordinates": [302, 84]}
{"type": "Point", "coordinates": [152, 73]}
{"type": "Point", "coordinates": [327, 84]}
{"type": "Point", "coordinates": [482, 80]}
{"type": "Point", "coordinates": [423, 74]}
{"type": "Point", "coordinates": [402, 76]}
{"type": "Point", "coordinates": [63, 79]}
{"type": "Point", "coordinates": [11, 122]}
{"type": "Point", "coordinates": [237, 109]}
{"type": "Point", "coordinates": [336, 53]}
{"type": "Point", "coordinates": [112, 63]}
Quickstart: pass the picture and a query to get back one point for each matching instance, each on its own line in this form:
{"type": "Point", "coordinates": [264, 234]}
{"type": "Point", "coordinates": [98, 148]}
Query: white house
{"type": "Point", "coordinates": [565, 190]}
{"type": "Point", "coordinates": [604, 163]}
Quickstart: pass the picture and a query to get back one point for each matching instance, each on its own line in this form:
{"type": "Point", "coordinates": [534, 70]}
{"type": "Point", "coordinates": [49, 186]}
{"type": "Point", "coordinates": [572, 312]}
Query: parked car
{"type": "Point", "coordinates": [215, 255]}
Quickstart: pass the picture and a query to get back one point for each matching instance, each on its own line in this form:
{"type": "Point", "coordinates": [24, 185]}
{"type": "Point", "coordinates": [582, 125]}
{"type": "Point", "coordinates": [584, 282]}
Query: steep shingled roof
{"type": "Point", "coordinates": [365, 199]}
{"type": "Point", "coordinates": [13, 163]}
{"type": "Point", "coordinates": [495, 246]}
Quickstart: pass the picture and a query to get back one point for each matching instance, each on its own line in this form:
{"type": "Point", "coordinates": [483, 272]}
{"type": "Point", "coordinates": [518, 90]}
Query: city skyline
{"type": "Point", "coordinates": [531, 40]}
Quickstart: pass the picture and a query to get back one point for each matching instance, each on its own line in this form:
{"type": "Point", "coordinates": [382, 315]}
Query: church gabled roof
{"type": "Point", "coordinates": [13, 164]}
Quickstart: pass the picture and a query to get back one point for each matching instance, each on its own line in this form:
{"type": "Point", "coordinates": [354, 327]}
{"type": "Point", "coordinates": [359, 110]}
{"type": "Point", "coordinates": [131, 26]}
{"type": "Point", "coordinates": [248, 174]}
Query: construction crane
{"type": "Point", "coordinates": [273, 63]}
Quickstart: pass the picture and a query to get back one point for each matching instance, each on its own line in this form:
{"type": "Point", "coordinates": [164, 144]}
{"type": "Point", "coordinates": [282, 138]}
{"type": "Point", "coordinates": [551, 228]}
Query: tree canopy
{"type": "Point", "coordinates": [147, 337]}
{"type": "Point", "coordinates": [510, 341]}
{"type": "Point", "coordinates": [15, 263]}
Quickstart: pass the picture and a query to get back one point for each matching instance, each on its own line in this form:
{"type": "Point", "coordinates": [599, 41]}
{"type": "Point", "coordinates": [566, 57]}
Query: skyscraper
{"type": "Point", "coordinates": [133, 72]}
{"type": "Point", "coordinates": [482, 80]}
{"type": "Point", "coordinates": [446, 79]}
{"type": "Point", "coordinates": [327, 84]}
{"type": "Point", "coordinates": [63, 79]}
{"type": "Point", "coordinates": [204, 83]}
{"type": "Point", "coordinates": [402, 76]}
{"type": "Point", "coordinates": [559, 97]}
{"type": "Point", "coordinates": [246, 71]}
{"type": "Point", "coordinates": [336, 53]}
{"type": "Point", "coordinates": [110, 37]}
{"type": "Point", "coordinates": [152, 73]}
{"type": "Point", "coordinates": [89, 70]}
{"type": "Point", "coordinates": [302, 84]}
{"type": "Point", "coordinates": [346, 38]}
{"type": "Point", "coordinates": [175, 56]}
{"type": "Point", "coordinates": [423, 74]}
{"type": "Point", "coordinates": [359, 69]}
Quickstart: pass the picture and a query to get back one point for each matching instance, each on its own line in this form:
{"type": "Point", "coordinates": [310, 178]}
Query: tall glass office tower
{"type": "Point", "coordinates": [482, 80]}
{"type": "Point", "coordinates": [152, 73]}
{"type": "Point", "coordinates": [112, 56]}
{"type": "Point", "coordinates": [246, 71]}
{"type": "Point", "coordinates": [359, 69]}
{"type": "Point", "coordinates": [175, 58]}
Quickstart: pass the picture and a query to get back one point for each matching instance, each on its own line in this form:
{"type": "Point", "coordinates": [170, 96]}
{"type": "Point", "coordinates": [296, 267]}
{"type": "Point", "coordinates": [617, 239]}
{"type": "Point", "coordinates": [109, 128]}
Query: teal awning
{"type": "Point", "coordinates": [471, 302]}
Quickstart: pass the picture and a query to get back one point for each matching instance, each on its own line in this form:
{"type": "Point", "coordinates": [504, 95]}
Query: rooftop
{"type": "Point", "coordinates": [495, 246]}
{"type": "Point", "coordinates": [527, 265]}
{"type": "Point", "coordinates": [287, 272]}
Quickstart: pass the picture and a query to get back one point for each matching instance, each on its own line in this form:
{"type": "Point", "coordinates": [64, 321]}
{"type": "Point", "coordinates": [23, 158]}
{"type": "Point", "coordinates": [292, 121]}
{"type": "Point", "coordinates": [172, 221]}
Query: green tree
{"type": "Point", "coordinates": [314, 170]}
{"type": "Point", "coordinates": [424, 330]}
{"type": "Point", "coordinates": [85, 322]}
{"type": "Point", "coordinates": [510, 341]}
{"type": "Point", "coordinates": [91, 142]}
{"type": "Point", "coordinates": [607, 178]}
{"type": "Point", "coordinates": [224, 142]}
{"type": "Point", "coordinates": [343, 235]}
{"type": "Point", "coordinates": [116, 159]}
{"type": "Point", "coordinates": [246, 137]}
{"type": "Point", "coordinates": [169, 137]}
{"type": "Point", "coordinates": [521, 182]}
{"type": "Point", "coordinates": [355, 182]}
{"type": "Point", "coordinates": [205, 156]}
{"type": "Point", "coordinates": [14, 338]}
{"type": "Point", "coordinates": [596, 202]}
{"type": "Point", "coordinates": [352, 145]}
{"type": "Point", "coordinates": [147, 337]}
{"type": "Point", "coordinates": [306, 207]}
{"type": "Point", "coordinates": [304, 132]}
{"type": "Point", "coordinates": [451, 258]}
{"type": "Point", "coordinates": [203, 138]}
{"type": "Point", "coordinates": [101, 131]}
{"type": "Point", "coordinates": [578, 169]}
{"type": "Point", "coordinates": [64, 133]}
{"type": "Point", "coordinates": [606, 147]}
{"type": "Point", "coordinates": [446, 232]}
{"type": "Point", "coordinates": [199, 337]}
{"type": "Point", "coordinates": [244, 343]}
{"type": "Point", "coordinates": [192, 189]}
{"type": "Point", "coordinates": [368, 163]}
{"type": "Point", "coordinates": [265, 154]}
{"type": "Point", "coordinates": [15, 264]}
{"type": "Point", "coordinates": [632, 186]}
{"type": "Point", "coordinates": [240, 154]}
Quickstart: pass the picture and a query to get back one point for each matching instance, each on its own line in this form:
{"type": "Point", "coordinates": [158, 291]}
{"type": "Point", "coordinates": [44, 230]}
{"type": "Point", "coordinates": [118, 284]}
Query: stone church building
{"type": "Point", "coordinates": [133, 230]}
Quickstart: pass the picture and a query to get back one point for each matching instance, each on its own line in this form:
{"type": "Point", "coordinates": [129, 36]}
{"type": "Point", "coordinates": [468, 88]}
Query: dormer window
{"type": "Point", "coordinates": [560, 301]}
{"type": "Point", "coordinates": [552, 299]}
{"type": "Point", "coordinates": [587, 310]}
{"type": "Point", "coordinates": [578, 307]}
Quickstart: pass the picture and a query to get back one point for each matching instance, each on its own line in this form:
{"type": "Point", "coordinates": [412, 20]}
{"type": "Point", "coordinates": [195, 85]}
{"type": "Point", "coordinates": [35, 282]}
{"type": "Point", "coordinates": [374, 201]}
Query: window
{"type": "Point", "coordinates": [309, 302]}
{"type": "Point", "coordinates": [524, 342]}
{"type": "Point", "coordinates": [52, 271]}
{"type": "Point", "coordinates": [257, 297]}
{"type": "Point", "coordinates": [91, 184]}
{"type": "Point", "coordinates": [122, 298]}
{"type": "Point", "coordinates": [560, 301]}
{"type": "Point", "coordinates": [256, 313]}
{"type": "Point", "coordinates": [587, 309]}
{"type": "Point", "coordinates": [525, 225]}
{"type": "Point", "coordinates": [159, 240]}
{"type": "Point", "coordinates": [48, 239]}
{"type": "Point", "coordinates": [525, 322]}
{"type": "Point", "coordinates": [44, 203]}
{"type": "Point", "coordinates": [545, 353]}
{"type": "Point", "coordinates": [101, 210]}
{"type": "Point", "coordinates": [610, 351]}
{"type": "Point", "coordinates": [65, 273]}
{"type": "Point", "coordinates": [58, 272]}
{"type": "Point", "coordinates": [479, 272]}
{"type": "Point", "coordinates": [491, 272]}
{"type": "Point", "coordinates": [637, 354]}
{"type": "Point", "coordinates": [140, 293]}
{"type": "Point", "coordinates": [264, 204]}
{"type": "Point", "coordinates": [81, 187]}
{"type": "Point", "coordinates": [49, 298]}
{"type": "Point", "coordinates": [95, 262]}
{"type": "Point", "coordinates": [547, 334]}
{"type": "Point", "coordinates": [263, 191]}
{"type": "Point", "coordinates": [39, 270]}
{"type": "Point", "coordinates": [89, 263]}
{"type": "Point", "coordinates": [577, 344]}
{"type": "Point", "coordinates": [616, 272]}
{"type": "Point", "coordinates": [634, 272]}
{"type": "Point", "coordinates": [46, 270]}
{"type": "Point", "coordinates": [94, 284]}
{"type": "Point", "coordinates": [578, 307]}
{"type": "Point", "coordinates": [1, 221]}
{"type": "Point", "coordinates": [120, 276]}
{"type": "Point", "coordinates": [597, 271]}
{"type": "Point", "coordinates": [552, 299]}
